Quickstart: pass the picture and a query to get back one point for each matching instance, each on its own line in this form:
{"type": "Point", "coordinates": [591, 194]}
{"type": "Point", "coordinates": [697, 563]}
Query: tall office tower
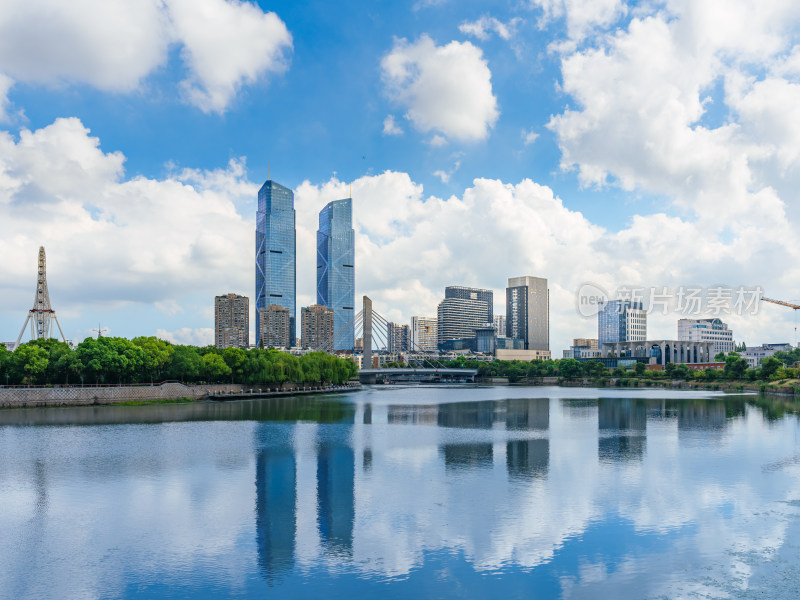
{"type": "Point", "coordinates": [459, 318]}
{"type": "Point", "coordinates": [706, 330]}
{"type": "Point", "coordinates": [231, 321]}
{"type": "Point", "coordinates": [424, 334]}
{"type": "Point", "coordinates": [399, 337]}
{"type": "Point", "coordinates": [621, 321]}
{"type": "Point", "coordinates": [276, 253]}
{"type": "Point", "coordinates": [500, 325]}
{"type": "Point", "coordinates": [336, 286]}
{"type": "Point", "coordinates": [528, 311]}
{"type": "Point", "coordinates": [317, 327]}
{"type": "Point", "coordinates": [468, 293]}
{"type": "Point", "coordinates": [274, 324]}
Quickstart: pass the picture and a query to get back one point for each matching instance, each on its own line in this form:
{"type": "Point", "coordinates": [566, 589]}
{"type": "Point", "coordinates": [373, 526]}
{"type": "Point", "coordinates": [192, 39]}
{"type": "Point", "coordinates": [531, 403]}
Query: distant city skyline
{"type": "Point", "coordinates": [139, 170]}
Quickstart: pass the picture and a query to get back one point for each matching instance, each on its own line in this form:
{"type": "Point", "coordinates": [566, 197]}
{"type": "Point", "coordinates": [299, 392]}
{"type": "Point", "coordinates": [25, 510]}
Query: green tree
{"type": "Point", "coordinates": [156, 355]}
{"type": "Point", "coordinates": [569, 368]}
{"type": "Point", "coordinates": [669, 369]}
{"type": "Point", "coordinates": [29, 363]}
{"type": "Point", "coordinates": [640, 368]}
{"type": "Point", "coordinates": [236, 359]}
{"type": "Point", "coordinates": [682, 372]}
{"type": "Point", "coordinates": [735, 366]}
{"type": "Point", "coordinates": [769, 366]}
{"type": "Point", "coordinates": [213, 367]}
{"type": "Point", "coordinates": [719, 357]}
{"type": "Point", "coordinates": [183, 365]}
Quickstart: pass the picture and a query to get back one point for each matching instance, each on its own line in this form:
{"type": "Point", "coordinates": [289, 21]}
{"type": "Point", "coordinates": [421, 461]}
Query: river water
{"type": "Point", "coordinates": [401, 492]}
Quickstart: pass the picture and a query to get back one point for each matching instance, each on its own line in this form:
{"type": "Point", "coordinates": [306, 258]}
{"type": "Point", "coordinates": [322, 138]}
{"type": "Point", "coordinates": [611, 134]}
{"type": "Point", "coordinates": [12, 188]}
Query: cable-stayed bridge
{"type": "Point", "coordinates": [423, 365]}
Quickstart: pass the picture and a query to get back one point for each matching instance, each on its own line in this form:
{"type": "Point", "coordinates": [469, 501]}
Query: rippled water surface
{"type": "Point", "coordinates": [400, 492]}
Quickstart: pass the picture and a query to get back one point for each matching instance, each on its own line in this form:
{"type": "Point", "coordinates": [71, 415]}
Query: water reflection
{"type": "Point", "coordinates": [371, 495]}
{"type": "Point", "coordinates": [622, 425]}
{"type": "Point", "coordinates": [275, 510]}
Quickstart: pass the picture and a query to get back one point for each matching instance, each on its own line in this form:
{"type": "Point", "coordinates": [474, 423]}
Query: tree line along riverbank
{"type": "Point", "coordinates": [115, 360]}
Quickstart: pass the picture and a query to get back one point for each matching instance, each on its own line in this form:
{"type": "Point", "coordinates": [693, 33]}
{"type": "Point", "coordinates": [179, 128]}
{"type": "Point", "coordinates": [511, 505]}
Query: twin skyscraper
{"type": "Point", "coordinates": [276, 262]}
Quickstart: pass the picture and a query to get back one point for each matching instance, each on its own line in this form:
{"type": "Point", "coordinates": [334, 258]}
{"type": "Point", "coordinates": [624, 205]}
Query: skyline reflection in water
{"type": "Point", "coordinates": [435, 492]}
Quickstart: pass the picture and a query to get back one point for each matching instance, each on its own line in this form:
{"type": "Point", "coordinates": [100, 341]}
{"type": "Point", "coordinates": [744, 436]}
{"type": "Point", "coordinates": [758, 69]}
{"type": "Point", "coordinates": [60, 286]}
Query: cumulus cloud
{"type": "Point", "coordinates": [112, 240]}
{"type": "Point", "coordinates": [445, 89]}
{"type": "Point", "coordinates": [484, 27]}
{"type": "Point", "coordinates": [227, 44]}
{"type": "Point", "coordinates": [390, 127]}
{"type": "Point", "coordinates": [5, 85]}
{"type": "Point", "coordinates": [174, 243]}
{"type": "Point", "coordinates": [114, 45]}
{"type": "Point", "coordinates": [582, 16]}
{"type": "Point", "coordinates": [649, 130]}
{"type": "Point", "coordinates": [187, 336]}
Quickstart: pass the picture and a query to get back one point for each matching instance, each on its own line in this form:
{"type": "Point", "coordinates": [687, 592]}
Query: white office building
{"type": "Point", "coordinates": [706, 330]}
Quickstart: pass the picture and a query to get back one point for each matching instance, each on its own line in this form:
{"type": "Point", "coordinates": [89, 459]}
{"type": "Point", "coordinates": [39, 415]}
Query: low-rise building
{"type": "Point", "coordinates": [524, 355]}
{"type": "Point", "coordinates": [754, 354]}
{"type": "Point", "coordinates": [661, 352]}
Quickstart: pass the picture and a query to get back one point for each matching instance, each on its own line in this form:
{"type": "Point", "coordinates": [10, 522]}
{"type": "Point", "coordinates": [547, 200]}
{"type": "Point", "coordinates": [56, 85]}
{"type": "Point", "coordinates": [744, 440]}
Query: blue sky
{"type": "Point", "coordinates": [624, 144]}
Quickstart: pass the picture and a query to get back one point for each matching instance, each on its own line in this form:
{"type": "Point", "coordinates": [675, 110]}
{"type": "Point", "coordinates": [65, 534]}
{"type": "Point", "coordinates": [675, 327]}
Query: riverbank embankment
{"type": "Point", "coordinates": [21, 397]}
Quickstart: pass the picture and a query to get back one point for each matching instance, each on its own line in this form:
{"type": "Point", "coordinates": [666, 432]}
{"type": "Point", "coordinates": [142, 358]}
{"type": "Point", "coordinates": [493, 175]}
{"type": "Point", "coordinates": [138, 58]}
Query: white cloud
{"type": "Point", "coordinates": [112, 240]}
{"type": "Point", "coordinates": [5, 86]}
{"type": "Point", "coordinates": [482, 28]}
{"type": "Point", "coordinates": [648, 131]}
{"type": "Point", "coordinates": [174, 243]}
{"type": "Point", "coordinates": [227, 44]}
{"type": "Point", "coordinates": [446, 89]}
{"type": "Point", "coordinates": [529, 136]}
{"type": "Point", "coordinates": [437, 141]}
{"type": "Point", "coordinates": [187, 336]}
{"type": "Point", "coordinates": [114, 45]}
{"type": "Point", "coordinates": [390, 127]}
{"type": "Point", "coordinates": [582, 16]}
{"type": "Point", "coordinates": [446, 175]}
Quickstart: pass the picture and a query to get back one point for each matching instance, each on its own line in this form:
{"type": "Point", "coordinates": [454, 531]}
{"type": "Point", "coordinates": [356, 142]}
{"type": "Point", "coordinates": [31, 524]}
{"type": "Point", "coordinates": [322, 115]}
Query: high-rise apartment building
{"type": "Point", "coordinates": [528, 311]}
{"type": "Point", "coordinates": [335, 269]}
{"type": "Point", "coordinates": [231, 321]}
{"type": "Point", "coordinates": [424, 334]}
{"type": "Point", "coordinates": [500, 325]}
{"type": "Point", "coordinates": [458, 318]}
{"type": "Point", "coordinates": [317, 327]}
{"type": "Point", "coordinates": [468, 293]}
{"type": "Point", "coordinates": [399, 337]}
{"type": "Point", "coordinates": [706, 330]}
{"type": "Point", "coordinates": [276, 253]}
{"type": "Point", "coordinates": [274, 326]}
{"type": "Point", "coordinates": [621, 321]}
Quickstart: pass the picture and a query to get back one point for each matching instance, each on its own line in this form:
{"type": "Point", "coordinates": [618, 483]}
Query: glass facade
{"type": "Point", "coordinates": [468, 293]}
{"type": "Point", "coordinates": [276, 253]}
{"type": "Point", "coordinates": [621, 321]}
{"type": "Point", "coordinates": [336, 287]}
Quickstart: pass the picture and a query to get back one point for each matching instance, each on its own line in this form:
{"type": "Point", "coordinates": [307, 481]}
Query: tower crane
{"type": "Point", "coordinates": [794, 307]}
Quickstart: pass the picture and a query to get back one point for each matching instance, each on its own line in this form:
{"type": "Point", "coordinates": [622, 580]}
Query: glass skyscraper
{"type": "Point", "coordinates": [336, 287]}
{"type": "Point", "coordinates": [621, 321]}
{"type": "Point", "coordinates": [276, 253]}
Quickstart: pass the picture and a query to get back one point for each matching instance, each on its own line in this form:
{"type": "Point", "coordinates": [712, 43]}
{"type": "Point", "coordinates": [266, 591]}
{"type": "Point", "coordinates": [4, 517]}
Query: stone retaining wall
{"type": "Point", "coordinates": [77, 396]}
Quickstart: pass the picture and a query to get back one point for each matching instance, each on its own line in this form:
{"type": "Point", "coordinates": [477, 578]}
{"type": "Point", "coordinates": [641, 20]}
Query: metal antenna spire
{"type": "Point", "coordinates": [41, 314]}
